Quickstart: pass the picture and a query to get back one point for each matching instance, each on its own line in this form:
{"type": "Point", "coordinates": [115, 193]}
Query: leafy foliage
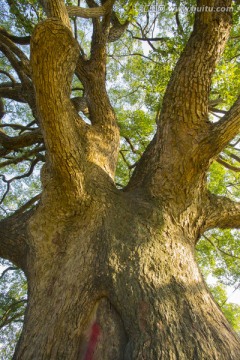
{"type": "Point", "coordinates": [13, 299]}
{"type": "Point", "coordinates": [151, 46]}
{"type": "Point", "coordinates": [218, 254]}
{"type": "Point", "coordinates": [26, 14]}
{"type": "Point", "coordinates": [230, 310]}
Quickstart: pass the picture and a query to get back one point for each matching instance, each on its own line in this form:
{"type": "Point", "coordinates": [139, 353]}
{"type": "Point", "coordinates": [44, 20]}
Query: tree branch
{"type": "Point", "coordinates": [177, 147]}
{"type": "Point", "coordinates": [17, 58]}
{"type": "Point", "coordinates": [221, 161]}
{"type": "Point", "coordinates": [27, 139]}
{"type": "Point", "coordinates": [13, 92]}
{"type": "Point", "coordinates": [57, 9]}
{"type": "Point", "coordinates": [21, 40]}
{"type": "Point", "coordinates": [24, 91]}
{"type": "Point", "coordinates": [25, 156]}
{"type": "Point", "coordinates": [134, 54]}
{"type": "Point", "coordinates": [92, 74]}
{"type": "Point", "coordinates": [13, 238]}
{"type": "Point", "coordinates": [10, 316]}
{"type": "Point", "coordinates": [80, 104]}
{"type": "Point", "coordinates": [9, 76]}
{"type": "Point", "coordinates": [148, 38]}
{"type": "Point", "coordinates": [62, 127]}
{"type": "Point", "coordinates": [117, 29]}
{"type": "Point", "coordinates": [221, 212]}
{"type": "Point", "coordinates": [28, 204]}
{"type": "Point", "coordinates": [233, 156]}
{"type": "Point", "coordinates": [6, 270]}
{"type": "Point", "coordinates": [219, 249]}
{"type": "Point", "coordinates": [225, 129]}
{"type": "Point", "coordinates": [94, 12]}
{"type": "Point", "coordinates": [9, 181]}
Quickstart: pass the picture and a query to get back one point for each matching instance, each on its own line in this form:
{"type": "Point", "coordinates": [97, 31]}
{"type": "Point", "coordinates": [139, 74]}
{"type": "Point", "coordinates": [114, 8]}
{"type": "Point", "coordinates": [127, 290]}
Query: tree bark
{"type": "Point", "coordinates": [121, 270]}
{"type": "Point", "coordinates": [14, 238]}
{"type": "Point", "coordinates": [112, 274]}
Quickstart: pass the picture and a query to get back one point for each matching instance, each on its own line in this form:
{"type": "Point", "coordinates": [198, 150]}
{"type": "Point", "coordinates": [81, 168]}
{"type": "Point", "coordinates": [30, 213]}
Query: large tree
{"type": "Point", "coordinates": [112, 272]}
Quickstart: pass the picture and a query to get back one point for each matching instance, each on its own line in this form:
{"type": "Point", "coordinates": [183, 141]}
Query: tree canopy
{"type": "Point", "coordinates": [144, 44]}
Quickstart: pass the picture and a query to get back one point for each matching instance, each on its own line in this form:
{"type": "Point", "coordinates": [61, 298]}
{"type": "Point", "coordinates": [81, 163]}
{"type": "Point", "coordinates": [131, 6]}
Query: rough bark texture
{"type": "Point", "coordinates": [112, 274]}
{"type": "Point", "coordinates": [127, 250]}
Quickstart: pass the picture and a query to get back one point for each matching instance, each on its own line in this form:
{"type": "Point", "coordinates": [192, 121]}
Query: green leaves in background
{"type": "Point", "coordinates": [13, 299]}
{"type": "Point", "coordinates": [138, 72]}
{"type": "Point", "coordinates": [218, 254]}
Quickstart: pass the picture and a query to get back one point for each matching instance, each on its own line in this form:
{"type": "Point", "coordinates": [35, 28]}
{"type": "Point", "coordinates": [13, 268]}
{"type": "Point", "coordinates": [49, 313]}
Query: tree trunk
{"type": "Point", "coordinates": [117, 279]}
{"type": "Point", "coordinates": [112, 274]}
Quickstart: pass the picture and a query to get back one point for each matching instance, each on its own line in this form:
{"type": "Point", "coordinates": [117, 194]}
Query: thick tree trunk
{"type": "Point", "coordinates": [117, 279]}
{"type": "Point", "coordinates": [112, 274]}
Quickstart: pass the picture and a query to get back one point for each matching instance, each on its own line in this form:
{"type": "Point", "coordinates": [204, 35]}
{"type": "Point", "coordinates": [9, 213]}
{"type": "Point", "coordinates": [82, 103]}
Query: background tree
{"type": "Point", "coordinates": [119, 259]}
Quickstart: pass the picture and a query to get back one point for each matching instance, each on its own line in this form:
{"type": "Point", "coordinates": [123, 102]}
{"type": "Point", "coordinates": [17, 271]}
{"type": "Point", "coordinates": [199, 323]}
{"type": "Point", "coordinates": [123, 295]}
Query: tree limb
{"type": "Point", "coordinates": [21, 40]}
{"type": "Point", "coordinates": [6, 270]}
{"type": "Point", "coordinates": [13, 238]}
{"type": "Point", "coordinates": [21, 63]}
{"type": "Point", "coordinates": [117, 29]}
{"type": "Point", "coordinates": [10, 316]}
{"type": "Point", "coordinates": [57, 9]}
{"type": "Point", "coordinates": [92, 74]}
{"type": "Point", "coordinates": [225, 129]}
{"type": "Point", "coordinates": [25, 156]}
{"type": "Point", "coordinates": [93, 12]}
{"type": "Point", "coordinates": [9, 76]}
{"type": "Point", "coordinates": [80, 104]}
{"type": "Point", "coordinates": [221, 161]}
{"type": "Point", "coordinates": [13, 92]}
{"type": "Point", "coordinates": [219, 249]}
{"type": "Point", "coordinates": [178, 147]}
{"type": "Point", "coordinates": [148, 38]}
{"type": "Point", "coordinates": [16, 142]}
{"type": "Point", "coordinates": [62, 127]}
{"type": "Point", "coordinates": [18, 177]}
{"type": "Point", "coordinates": [221, 212]}
{"type": "Point", "coordinates": [28, 204]}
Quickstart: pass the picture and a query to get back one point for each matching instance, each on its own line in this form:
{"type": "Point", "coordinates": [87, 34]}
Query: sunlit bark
{"type": "Point", "coordinates": [112, 273]}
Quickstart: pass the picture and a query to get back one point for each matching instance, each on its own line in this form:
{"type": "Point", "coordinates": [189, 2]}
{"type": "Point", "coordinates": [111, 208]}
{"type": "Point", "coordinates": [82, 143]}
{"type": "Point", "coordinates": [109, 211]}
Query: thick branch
{"type": "Point", "coordinates": [104, 133]}
{"type": "Point", "coordinates": [13, 93]}
{"type": "Point", "coordinates": [99, 38]}
{"type": "Point", "coordinates": [189, 87]}
{"type": "Point", "coordinates": [17, 142]}
{"type": "Point", "coordinates": [117, 29]}
{"type": "Point", "coordinates": [23, 93]}
{"type": "Point", "coordinates": [57, 9]}
{"type": "Point", "coordinates": [91, 13]}
{"type": "Point", "coordinates": [21, 40]}
{"type": "Point", "coordinates": [93, 73]}
{"type": "Point", "coordinates": [226, 129]}
{"type": "Point", "coordinates": [62, 127]}
{"type": "Point", "coordinates": [177, 158]}
{"type": "Point", "coordinates": [13, 80]}
{"type": "Point", "coordinates": [14, 238]}
{"type": "Point", "coordinates": [17, 58]}
{"type": "Point", "coordinates": [221, 212]}
{"type": "Point", "coordinates": [80, 104]}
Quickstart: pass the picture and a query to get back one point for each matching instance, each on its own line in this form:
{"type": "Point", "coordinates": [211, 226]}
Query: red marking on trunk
{"type": "Point", "coordinates": [95, 332]}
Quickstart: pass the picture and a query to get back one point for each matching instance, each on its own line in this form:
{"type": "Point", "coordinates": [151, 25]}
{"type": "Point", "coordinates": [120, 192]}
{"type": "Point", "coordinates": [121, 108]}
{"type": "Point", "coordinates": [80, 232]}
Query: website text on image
{"type": "Point", "coordinates": [192, 9]}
